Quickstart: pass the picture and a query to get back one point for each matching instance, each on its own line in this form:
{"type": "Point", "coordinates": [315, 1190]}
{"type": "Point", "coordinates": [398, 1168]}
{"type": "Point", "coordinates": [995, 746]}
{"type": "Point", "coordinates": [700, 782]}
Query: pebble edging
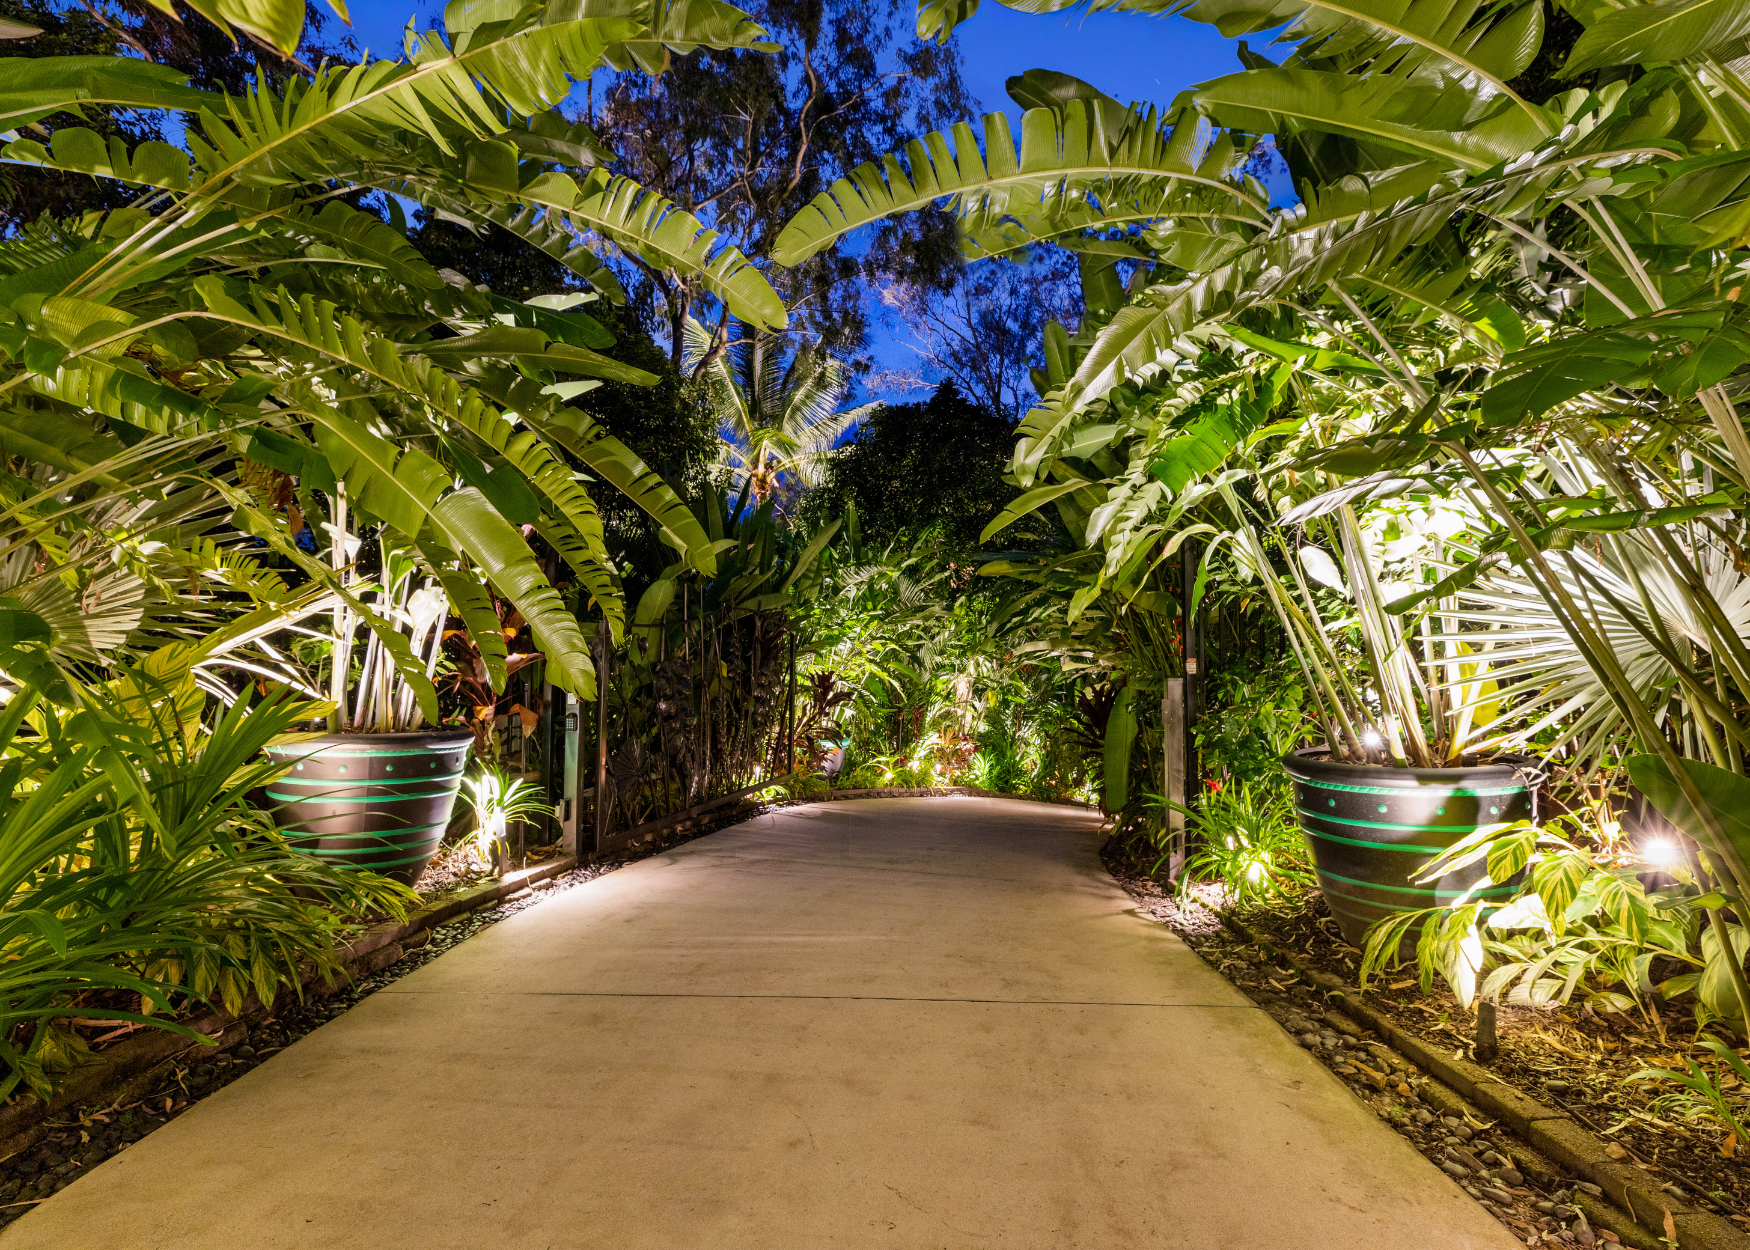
{"type": "Point", "coordinates": [1644, 1214]}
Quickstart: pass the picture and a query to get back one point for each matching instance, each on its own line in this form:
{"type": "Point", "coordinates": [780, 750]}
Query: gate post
{"type": "Point", "coordinates": [601, 737]}
{"type": "Point", "coordinates": [568, 797]}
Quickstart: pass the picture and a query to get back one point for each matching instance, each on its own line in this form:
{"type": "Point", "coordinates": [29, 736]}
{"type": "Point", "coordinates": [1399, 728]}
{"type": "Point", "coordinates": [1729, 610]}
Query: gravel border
{"type": "Point", "coordinates": [1543, 1176]}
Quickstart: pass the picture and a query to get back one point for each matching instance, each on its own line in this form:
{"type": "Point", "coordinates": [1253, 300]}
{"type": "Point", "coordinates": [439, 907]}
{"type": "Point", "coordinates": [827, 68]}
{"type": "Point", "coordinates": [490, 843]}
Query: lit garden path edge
{"type": "Point", "coordinates": [899, 1022]}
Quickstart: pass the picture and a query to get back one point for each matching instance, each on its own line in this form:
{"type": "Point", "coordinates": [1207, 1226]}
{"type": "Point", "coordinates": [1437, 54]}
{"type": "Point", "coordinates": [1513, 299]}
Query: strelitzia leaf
{"type": "Point", "coordinates": [1425, 121]}
{"type": "Point", "coordinates": [1657, 34]}
{"type": "Point", "coordinates": [1060, 152]}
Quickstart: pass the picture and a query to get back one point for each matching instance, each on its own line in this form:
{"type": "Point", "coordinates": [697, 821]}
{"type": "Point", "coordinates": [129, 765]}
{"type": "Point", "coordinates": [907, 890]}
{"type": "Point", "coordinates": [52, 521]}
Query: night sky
{"type": "Point", "coordinates": [1132, 57]}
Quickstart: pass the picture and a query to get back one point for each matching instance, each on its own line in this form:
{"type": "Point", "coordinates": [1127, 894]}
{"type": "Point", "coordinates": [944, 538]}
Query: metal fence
{"type": "Point", "coordinates": [693, 710]}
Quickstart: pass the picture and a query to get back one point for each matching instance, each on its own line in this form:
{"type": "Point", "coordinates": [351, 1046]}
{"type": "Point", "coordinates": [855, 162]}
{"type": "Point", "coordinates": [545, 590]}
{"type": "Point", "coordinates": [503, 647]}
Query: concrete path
{"type": "Point", "coordinates": [919, 1024]}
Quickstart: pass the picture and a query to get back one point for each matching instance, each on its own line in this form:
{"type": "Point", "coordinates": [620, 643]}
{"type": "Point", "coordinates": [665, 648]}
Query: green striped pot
{"type": "Point", "coordinates": [1370, 829]}
{"type": "Point", "coordinates": [377, 801]}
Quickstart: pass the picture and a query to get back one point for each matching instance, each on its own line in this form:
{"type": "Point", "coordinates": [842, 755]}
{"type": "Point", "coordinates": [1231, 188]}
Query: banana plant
{"type": "Point", "coordinates": [243, 304]}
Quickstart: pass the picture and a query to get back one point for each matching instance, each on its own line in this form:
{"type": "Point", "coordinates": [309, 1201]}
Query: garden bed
{"type": "Point", "coordinates": [1572, 1061]}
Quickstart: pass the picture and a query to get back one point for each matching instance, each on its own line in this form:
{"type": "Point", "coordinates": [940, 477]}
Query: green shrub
{"type": "Point", "coordinates": [805, 788]}
{"type": "Point", "coordinates": [1261, 718]}
{"type": "Point", "coordinates": [867, 777]}
{"type": "Point", "coordinates": [1249, 841]}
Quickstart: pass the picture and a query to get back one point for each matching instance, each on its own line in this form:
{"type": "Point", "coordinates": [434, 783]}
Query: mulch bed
{"type": "Point", "coordinates": [1571, 1058]}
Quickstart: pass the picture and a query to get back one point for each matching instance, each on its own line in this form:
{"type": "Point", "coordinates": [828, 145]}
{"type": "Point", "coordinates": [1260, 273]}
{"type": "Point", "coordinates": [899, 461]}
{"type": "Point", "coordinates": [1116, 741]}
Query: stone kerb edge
{"type": "Point", "coordinates": [1547, 1129]}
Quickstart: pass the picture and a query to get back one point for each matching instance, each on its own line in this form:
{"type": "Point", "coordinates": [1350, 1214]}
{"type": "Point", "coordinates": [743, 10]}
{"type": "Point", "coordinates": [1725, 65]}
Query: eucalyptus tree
{"type": "Point", "coordinates": [744, 137]}
{"type": "Point", "coordinates": [983, 331]}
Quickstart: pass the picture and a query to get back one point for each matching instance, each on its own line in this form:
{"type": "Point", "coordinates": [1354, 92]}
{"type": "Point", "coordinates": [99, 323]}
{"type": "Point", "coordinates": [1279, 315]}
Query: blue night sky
{"type": "Point", "coordinates": [1132, 57]}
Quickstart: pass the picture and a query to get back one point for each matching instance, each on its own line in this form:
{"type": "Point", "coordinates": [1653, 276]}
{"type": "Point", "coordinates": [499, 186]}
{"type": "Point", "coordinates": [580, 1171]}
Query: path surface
{"type": "Point", "coordinates": [905, 1023]}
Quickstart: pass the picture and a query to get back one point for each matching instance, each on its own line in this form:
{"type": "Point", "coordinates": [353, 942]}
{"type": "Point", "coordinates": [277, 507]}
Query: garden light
{"type": "Point", "coordinates": [1661, 852]}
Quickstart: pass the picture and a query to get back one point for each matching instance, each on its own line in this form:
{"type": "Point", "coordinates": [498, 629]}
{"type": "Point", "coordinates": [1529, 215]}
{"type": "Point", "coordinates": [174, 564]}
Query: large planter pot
{"type": "Point", "coordinates": [1371, 828]}
{"type": "Point", "coordinates": [377, 801]}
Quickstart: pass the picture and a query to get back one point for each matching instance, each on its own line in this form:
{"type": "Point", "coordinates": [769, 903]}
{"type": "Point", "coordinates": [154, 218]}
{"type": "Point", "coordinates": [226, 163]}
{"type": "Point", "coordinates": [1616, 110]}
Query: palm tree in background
{"type": "Point", "coordinates": [777, 411]}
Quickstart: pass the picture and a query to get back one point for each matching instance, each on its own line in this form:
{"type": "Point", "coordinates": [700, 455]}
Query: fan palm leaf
{"type": "Point", "coordinates": [777, 418]}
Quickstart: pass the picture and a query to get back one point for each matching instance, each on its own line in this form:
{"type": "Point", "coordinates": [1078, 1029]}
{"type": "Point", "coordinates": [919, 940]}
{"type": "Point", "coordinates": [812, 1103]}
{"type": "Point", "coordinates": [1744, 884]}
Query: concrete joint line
{"type": "Point", "coordinates": [827, 998]}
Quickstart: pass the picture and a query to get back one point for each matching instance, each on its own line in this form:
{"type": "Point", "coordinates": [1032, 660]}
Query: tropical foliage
{"type": "Point", "coordinates": [243, 405]}
{"type": "Point", "coordinates": [244, 306]}
{"type": "Point", "coordinates": [1457, 431]}
{"type": "Point", "coordinates": [139, 878]}
{"type": "Point", "coordinates": [1465, 413]}
{"type": "Point", "coordinates": [777, 412]}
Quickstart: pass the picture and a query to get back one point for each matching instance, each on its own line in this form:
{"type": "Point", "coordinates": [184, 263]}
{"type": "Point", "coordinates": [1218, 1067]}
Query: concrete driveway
{"type": "Point", "coordinates": [909, 1023]}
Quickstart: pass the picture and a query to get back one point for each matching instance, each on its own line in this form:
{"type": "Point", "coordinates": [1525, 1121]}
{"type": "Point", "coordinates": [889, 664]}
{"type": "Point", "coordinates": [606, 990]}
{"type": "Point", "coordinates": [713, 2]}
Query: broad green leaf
{"type": "Point", "coordinates": [277, 23]}
{"type": "Point", "coordinates": [33, 88]}
{"type": "Point", "coordinates": [1510, 851]}
{"type": "Point", "coordinates": [805, 560]}
{"type": "Point", "coordinates": [1657, 34]}
{"type": "Point", "coordinates": [1624, 908]}
{"type": "Point", "coordinates": [19, 627]}
{"type": "Point", "coordinates": [679, 26]}
{"type": "Point", "coordinates": [535, 347]}
{"type": "Point", "coordinates": [1120, 734]}
{"type": "Point", "coordinates": [938, 18]}
{"type": "Point", "coordinates": [1044, 88]}
{"type": "Point", "coordinates": [1201, 446]}
{"type": "Point", "coordinates": [1057, 153]}
{"type": "Point", "coordinates": [1029, 501]}
{"type": "Point", "coordinates": [609, 458]}
{"type": "Point", "coordinates": [1432, 40]}
{"type": "Point", "coordinates": [545, 231]}
{"type": "Point", "coordinates": [471, 525]}
{"type": "Point", "coordinates": [1722, 828]}
{"type": "Point", "coordinates": [1463, 129]}
{"type": "Point", "coordinates": [1557, 881]}
{"type": "Point", "coordinates": [1311, 357]}
{"type": "Point", "coordinates": [1581, 363]}
{"type": "Point", "coordinates": [666, 237]}
{"type": "Point", "coordinates": [1715, 987]}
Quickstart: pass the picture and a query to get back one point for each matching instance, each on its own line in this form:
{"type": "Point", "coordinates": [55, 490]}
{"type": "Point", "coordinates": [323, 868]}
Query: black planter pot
{"type": "Point", "coordinates": [1371, 828]}
{"type": "Point", "coordinates": [377, 801]}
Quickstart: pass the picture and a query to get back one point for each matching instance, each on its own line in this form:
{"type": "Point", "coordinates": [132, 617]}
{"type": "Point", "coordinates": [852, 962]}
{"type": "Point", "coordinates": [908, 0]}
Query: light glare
{"type": "Point", "coordinates": [1661, 852]}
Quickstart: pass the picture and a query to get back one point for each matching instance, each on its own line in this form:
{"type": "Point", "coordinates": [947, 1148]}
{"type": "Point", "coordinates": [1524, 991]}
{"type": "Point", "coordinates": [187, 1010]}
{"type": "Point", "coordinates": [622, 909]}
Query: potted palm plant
{"type": "Point", "coordinates": [1414, 759]}
{"type": "Point", "coordinates": [377, 791]}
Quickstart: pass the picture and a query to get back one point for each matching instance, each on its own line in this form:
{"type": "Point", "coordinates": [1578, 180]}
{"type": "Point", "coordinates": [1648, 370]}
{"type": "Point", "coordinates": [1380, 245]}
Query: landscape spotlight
{"type": "Point", "coordinates": [1660, 852]}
